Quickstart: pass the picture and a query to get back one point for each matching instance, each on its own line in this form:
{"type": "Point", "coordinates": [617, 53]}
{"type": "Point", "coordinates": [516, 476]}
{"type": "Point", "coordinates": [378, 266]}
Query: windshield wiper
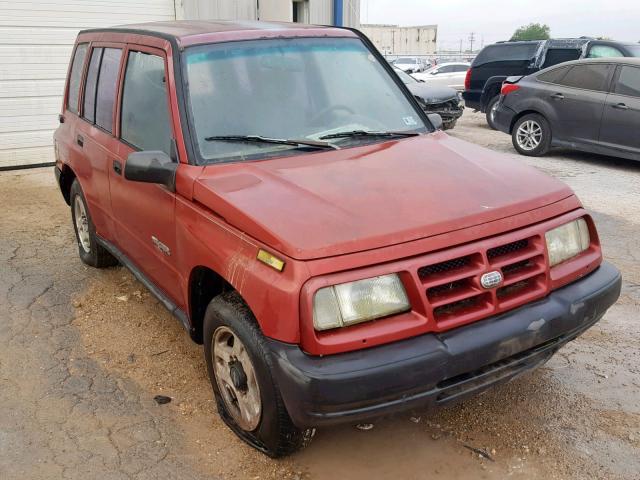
{"type": "Point", "coordinates": [278, 141]}
{"type": "Point", "coordinates": [366, 133]}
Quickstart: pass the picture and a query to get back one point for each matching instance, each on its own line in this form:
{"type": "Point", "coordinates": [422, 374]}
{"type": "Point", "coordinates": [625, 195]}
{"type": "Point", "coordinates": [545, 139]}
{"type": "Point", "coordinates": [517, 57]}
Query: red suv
{"type": "Point", "coordinates": [279, 189]}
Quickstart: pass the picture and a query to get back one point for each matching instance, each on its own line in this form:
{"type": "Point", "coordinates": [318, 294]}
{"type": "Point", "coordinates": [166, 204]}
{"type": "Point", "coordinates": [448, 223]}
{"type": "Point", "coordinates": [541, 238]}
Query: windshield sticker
{"type": "Point", "coordinates": [410, 121]}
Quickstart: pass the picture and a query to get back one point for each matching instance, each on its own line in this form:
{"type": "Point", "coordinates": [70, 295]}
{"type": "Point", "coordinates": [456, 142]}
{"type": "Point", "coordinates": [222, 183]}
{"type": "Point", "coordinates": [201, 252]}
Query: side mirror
{"type": "Point", "coordinates": [436, 120]}
{"type": "Point", "coordinates": [151, 167]}
{"type": "Point", "coordinates": [435, 72]}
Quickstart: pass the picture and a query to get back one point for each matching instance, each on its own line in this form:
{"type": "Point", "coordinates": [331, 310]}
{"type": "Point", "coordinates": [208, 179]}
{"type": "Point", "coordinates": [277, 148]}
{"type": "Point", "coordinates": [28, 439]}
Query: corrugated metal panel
{"type": "Point", "coordinates": [220, 9]}
{"type": "Point", "coordinates": [321, 12]}
{"type": "Point", "coordinates": [36, 40]}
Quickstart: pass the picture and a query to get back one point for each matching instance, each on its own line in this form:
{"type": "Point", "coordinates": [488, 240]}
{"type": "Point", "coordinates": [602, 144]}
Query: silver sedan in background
{"type": "Point", "coordinates": [445, 75]}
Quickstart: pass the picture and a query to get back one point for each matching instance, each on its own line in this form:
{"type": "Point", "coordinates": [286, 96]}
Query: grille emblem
{"type": "Point", "coordinates": [491, 279]}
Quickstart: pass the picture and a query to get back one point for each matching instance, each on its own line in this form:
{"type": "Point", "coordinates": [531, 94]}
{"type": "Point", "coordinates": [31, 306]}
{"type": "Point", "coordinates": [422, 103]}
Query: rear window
{"type": "Point", "coordinates": [75, 76]}
{"type": "Point", "coordinates": [588, 77]}
{"type": "Point", "coordinates": [506, 52]}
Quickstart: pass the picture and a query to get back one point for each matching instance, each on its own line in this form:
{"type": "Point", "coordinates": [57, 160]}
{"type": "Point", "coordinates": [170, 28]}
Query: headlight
{"type": "Point", "coordinates": [360, 301]}
{"type": "Point", "coordinates": [567, 241]}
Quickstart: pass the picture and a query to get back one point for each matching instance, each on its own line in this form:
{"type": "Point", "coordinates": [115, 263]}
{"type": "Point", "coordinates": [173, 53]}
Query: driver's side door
{"type": "Point", "coordinates": [144, 213]}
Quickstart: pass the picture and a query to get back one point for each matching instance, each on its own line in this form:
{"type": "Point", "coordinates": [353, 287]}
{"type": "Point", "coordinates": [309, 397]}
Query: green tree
{"type": "Point", "coordinates": [533, 31]}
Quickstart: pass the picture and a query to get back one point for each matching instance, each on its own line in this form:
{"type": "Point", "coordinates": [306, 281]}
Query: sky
{"type": "Point", "coordinates": [493, 20]}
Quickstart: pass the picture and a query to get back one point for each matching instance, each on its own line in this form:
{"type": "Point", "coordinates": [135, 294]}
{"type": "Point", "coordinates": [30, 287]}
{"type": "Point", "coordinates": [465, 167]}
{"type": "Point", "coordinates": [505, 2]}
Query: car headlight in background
{"type": "Point", "coordinates": [359, 301]}
{"type": "Point", "coordinates": [567, 241]}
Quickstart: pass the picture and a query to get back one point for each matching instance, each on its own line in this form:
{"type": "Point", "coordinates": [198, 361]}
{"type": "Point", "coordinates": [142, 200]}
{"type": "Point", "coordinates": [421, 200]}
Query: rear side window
{"type": "Point", "coordinates": [554, 75]}
{"type": "Point", "coordinates": [75, 76]}
{"type": "Point", "coordinates": [461, 68]}
{"type": "Point", "coordinates": [602, 51]}
{"type": "Point", "coordinates": [554, 56]}
{"type": "Point", "coordinates": [506, 52]}
{"type": "Point", "coordinates": [89, 107]}
{"type": "Point", "coordinates": [628, 82]}
{"type": "Point", "coordinates": [588, 77]}
{"type": "Point", "coordinates": [107, 84]}
{"type": "Point", "coordinates": [145, 112]}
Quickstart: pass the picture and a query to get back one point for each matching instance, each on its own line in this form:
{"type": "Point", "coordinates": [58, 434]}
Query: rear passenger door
{"type": "Point", "coordinates": [576, 101]}
{"type": "Point", "coordinates": [95, 132]}
{"type": "Point", "coordinates": [621, 118]}
{"type": "Point", "coordinates": [145, 212]}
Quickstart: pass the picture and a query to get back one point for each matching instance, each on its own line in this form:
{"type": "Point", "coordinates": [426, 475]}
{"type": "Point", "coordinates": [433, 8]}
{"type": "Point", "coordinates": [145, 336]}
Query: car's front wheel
{"type": "Point", "coordinates": [531, 135]}
{"type": "Point", "coordinates": [239, 364]}
{"type": "Point", "coordinates": [89, 250]}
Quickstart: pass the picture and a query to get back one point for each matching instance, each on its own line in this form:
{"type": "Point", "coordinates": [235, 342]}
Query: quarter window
{"type": "Point", "coordinates": [107, 84]}
{"type": "Point", "coordinates": [588, 77]}
{"type": "Point", "coordinates": [628, 82]}
{"type": "Point", "coordinates": [89, 108]}
{"type": "Point", "coordinates": [554, 75]}
{"type": "Point", "coordinates": [145, 111]}
{"type": "Point", "coordinates": [75, 76]}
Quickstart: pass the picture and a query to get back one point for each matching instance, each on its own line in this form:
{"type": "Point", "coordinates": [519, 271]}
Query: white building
{"type": "Point", "coordinates": [36, 38]}
{"type": "Point", "coordinates": [395, 40]}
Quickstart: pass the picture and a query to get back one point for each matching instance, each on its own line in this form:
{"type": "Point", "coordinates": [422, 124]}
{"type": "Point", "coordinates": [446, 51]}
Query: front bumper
{"type": "Point", "coordinates": [436, 369]}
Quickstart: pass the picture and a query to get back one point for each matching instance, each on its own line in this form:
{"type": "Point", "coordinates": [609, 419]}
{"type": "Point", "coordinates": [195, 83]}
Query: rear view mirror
{"type": "Point", "coordinates": [436, 120]}
{"type": "Point", "coordinates": [151, 167]}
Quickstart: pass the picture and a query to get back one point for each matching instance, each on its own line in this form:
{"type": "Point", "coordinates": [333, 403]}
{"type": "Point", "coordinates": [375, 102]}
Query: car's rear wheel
{"type": "Point", "coordinates": [89, 250]}
{"type": "Point", "coordinates": [531, 135]}
{"type": "Point", "coordinates": [490, 112]}
{"type": "Point", "coordinates": [239, 364]}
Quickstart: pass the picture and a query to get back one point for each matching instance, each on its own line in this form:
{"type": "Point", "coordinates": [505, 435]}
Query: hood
{"type": "Point", "coordinates": [344, 201]}
{"type": "Point", "coordinates": [431, 94]}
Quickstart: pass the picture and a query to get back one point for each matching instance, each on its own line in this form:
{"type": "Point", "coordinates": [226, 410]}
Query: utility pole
{"type": "Point", "coordinates": [472, 37]}
{"type": "Point", "coordinates": [460, 46]}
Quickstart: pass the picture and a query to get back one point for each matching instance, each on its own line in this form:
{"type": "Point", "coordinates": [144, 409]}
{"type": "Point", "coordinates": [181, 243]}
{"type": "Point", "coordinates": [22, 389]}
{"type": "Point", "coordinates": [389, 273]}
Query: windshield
{"type": "Point", "coordinates": [634, 50]}
{"type": "Point", "coordinates": [303, 89]}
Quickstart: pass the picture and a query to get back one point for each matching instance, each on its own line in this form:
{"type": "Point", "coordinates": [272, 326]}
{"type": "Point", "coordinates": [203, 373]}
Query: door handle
{"type": "Point", "coordinates": [620, 106]}
{"type": "Point", "coordinates": [60, 118]}
{"type": "Point", "coordinates": [117, 167]}
{"type": "Point", "coordinates": [558, 96]}
{"type": "Point", "coordinates": [80, 140]}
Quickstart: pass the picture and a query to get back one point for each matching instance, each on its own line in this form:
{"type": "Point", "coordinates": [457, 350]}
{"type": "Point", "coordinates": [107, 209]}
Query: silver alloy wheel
{"type": "Point", "coordinates": [82, 223]}
{"type": "Point", "coordinates": [236, 378]}
{"type": "Point", "coordinates": [529, 135]}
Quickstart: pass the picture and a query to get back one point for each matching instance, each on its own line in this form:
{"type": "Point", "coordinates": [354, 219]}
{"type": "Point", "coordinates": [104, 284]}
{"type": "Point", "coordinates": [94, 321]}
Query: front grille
{"type": "Point", "coordinates": [507, 249]}
{"type": "Point", "coordinates": [455, 295]}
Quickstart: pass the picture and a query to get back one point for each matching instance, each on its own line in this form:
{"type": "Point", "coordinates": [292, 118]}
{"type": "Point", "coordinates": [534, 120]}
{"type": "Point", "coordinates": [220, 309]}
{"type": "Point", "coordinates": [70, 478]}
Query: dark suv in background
{"type": "Point", "coordinates": [496, 62]}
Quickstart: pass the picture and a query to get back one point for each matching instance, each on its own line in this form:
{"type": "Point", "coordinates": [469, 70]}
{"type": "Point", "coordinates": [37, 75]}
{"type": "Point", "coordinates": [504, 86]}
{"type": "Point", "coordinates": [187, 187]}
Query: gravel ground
{"type": "Point", "coordinates": [83, 352]}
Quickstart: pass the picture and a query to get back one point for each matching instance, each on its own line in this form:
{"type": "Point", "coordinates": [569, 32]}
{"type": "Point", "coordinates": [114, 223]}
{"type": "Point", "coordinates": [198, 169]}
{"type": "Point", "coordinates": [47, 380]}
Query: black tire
{"type": "Point", "coordinates": [489, 112]}
{"type": "Point", "coordinates": [545, 141]}
{"type": "Point", "coordinates": [275, 434]}
{"type": "Point", "coordinates": [96, 255]}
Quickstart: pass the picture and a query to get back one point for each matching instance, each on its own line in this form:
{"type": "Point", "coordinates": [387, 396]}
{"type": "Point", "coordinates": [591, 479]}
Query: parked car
{"type": "Point", "coordinates": [589, 105]}
{"type": "Point", "coordinates": [444, 101]}
{"type": "Point", "coordinates": [496, 62]}
{"type": "Point", "coordinates": [409, 64]}
{"type": "Point", "coordinates": [338, 258]}
{"type": "Point", "coordinates": [445, 75]}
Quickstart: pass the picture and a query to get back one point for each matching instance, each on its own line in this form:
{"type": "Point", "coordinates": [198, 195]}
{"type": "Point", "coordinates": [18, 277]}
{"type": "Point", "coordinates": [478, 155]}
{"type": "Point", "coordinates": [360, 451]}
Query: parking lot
{"type": "Point", "coordinates": [83, 352]}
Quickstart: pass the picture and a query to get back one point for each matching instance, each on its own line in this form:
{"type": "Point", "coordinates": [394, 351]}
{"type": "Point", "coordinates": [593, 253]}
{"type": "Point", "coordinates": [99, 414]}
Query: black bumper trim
{"type": "Point", "coordinates": [435, 369]}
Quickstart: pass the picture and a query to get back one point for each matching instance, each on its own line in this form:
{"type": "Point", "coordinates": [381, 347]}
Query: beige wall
{"type": "Point", "coordinates": [392, 39]}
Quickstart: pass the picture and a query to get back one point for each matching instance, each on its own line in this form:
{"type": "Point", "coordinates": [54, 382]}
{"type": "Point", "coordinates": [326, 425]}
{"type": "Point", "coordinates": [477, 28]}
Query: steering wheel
{"type": "Point", "coordinates": [330, 109]}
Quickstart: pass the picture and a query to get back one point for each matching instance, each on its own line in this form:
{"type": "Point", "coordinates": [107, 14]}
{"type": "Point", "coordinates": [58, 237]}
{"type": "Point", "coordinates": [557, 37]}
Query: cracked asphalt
{"type": "Point", "coordinates": [84, 351]}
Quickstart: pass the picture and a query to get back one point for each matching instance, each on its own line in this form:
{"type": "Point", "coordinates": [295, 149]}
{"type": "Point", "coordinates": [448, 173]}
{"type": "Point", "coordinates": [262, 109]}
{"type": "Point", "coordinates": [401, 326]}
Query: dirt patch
{"type": "Point", "coordinates": [132, 335]}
